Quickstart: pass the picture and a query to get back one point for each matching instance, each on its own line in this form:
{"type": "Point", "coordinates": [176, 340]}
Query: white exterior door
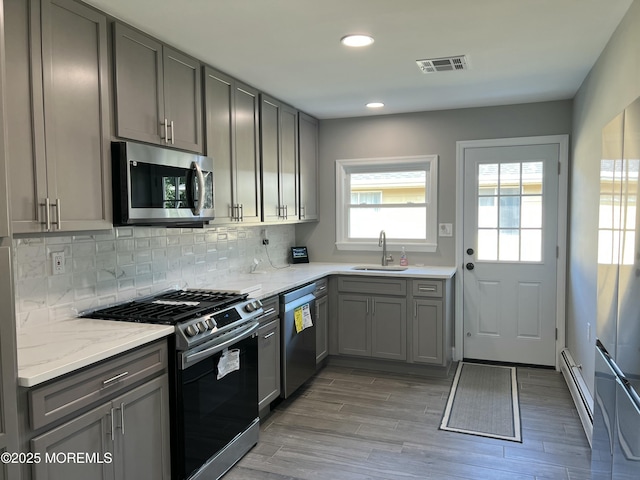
{"type": "Point", "coordinates": [509, 241]}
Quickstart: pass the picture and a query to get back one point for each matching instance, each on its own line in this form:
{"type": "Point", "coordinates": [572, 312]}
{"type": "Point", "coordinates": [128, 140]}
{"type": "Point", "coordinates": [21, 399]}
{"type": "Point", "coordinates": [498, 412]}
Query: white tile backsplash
{"type": "Point", "coordinates": [128, 262]}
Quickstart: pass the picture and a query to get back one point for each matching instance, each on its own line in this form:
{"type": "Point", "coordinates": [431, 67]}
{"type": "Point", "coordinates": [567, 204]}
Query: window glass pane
{"type": "Point", "coordinates": [365, 198]}
{"type": "Point", "coordinates": [487, 178]}
{"type": "Point", "coordinates": [509, 245]}
{"type": "Point", "coordinates": [487, 244]}
{"type": "Point", "coordinates": [532, 212]}
{"type": "Point", "coordinates": [532, 173]}
{"type": "Point", "coordinates": [390, 187]}
{"type": "Point", "coordinates": [606, 211]}
{"type": "Point", "coordinates": [509, 178]}
{"type": "Point", "coordinates": [405, 223]}
{"type": "Point", "coordinates": [531, 246]}
{"type": "Point", "coordinates": [509, 212]}
{"type": "Point", "coordinates": [487, 212]}
{"type": "Point", "coordinates": [606, 247]}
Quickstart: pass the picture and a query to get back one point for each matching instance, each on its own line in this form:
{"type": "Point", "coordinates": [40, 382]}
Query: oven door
{"type": "Point", "coordinates": [217, 396]}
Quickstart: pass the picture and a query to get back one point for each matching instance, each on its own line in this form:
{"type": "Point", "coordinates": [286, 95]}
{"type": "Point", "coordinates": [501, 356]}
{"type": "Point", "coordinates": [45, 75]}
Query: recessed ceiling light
{"type": "Point", "coordinates": [356, 40]}
{"type": "Point", "coordinates": [375, 105]}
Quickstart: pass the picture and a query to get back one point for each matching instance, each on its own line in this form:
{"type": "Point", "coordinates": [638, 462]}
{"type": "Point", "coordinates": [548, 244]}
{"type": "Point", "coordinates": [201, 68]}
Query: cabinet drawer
{"type": "Point", "coordinates": [271, 308]}
{"type": "Point", "coordinates": [427, 288]}
{"type": "Point", "coordinates": [322, 287]}
{"type": "Point", "coordinates": [383, 286]}
{"type": "Point", "coordinates": [53, 401]}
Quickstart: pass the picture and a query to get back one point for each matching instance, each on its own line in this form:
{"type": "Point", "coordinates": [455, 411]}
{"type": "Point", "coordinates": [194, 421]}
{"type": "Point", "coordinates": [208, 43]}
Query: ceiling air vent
{"type": "Point", "coordinates": [445, 64]}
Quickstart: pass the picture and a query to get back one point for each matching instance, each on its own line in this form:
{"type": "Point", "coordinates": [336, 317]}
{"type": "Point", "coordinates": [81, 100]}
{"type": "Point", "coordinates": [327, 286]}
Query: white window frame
{"type": "Point", "coordinates": [345, 167]}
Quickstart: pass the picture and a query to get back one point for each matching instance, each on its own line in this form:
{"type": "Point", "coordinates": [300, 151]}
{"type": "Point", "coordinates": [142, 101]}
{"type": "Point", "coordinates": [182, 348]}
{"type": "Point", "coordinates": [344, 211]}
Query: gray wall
{"type": "Point", "coordinates": [414, 134]}
{"type": "Point", "coordinates": [613, 83]}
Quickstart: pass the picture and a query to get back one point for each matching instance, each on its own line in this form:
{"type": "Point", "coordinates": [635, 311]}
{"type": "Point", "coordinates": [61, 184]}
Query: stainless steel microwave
{"type": "Point", "coordinates": [158, 186]}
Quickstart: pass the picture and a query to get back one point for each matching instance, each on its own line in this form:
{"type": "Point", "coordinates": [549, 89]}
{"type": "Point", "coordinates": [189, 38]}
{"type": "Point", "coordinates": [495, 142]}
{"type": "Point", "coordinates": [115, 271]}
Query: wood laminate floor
{"type": "Point", "coordinates": [359, 424]}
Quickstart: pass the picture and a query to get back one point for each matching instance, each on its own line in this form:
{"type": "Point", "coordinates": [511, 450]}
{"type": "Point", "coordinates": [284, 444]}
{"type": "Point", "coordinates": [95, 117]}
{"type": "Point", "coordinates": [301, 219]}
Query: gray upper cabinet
{"type": "Point", "coordinates": [57, 116]}
{"type": "Point", "coordinates": [232, 139]}
{"type": "Point", "coordinates": [279, 154]}
{"type": "Point", "coordinates": [308, 151]}
{"type": "Point", "coordinates": [158, 92]}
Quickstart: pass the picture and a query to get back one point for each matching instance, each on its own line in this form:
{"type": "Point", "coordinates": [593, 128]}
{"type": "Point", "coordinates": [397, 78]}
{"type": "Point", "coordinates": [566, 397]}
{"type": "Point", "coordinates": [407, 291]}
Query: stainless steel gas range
{"type": "Point", "coordinates": [214, 370]}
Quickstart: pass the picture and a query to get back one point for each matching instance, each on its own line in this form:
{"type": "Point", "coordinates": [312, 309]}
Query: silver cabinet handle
{"type": "Point", "coordinates": [197, 209]}
{"type": "Point", "coordinates": [173, 133]}
{"type": "Point", "coordinates": [286, 212]}
{"type": "Point", "coordinates": [367, 305]}
{"type": "Point", "coordinates": [302, 211]}
{"type": "Point", "coordinates": [47, 214]}
{"type": "Point", "coordinates": [373, 306]}
{"type": "Point", "coordinates": [113, 379]}
{"type": "Point", "coordinates": [241, 212]}
{"type": "Point", "coordinates": [58, 222]}
{"type": "Point", "coordinates": [427, 289]}
{"type": "Point", "coordinates": [415, 309]}
{"type": "Point", "coordinates": [122, 417]}
{"type": "Point", "coordinates": [113, 430]}
{"type": "Point", "coordinates": [166, 133]}
{"type": "Point", "coordinates": [269, 335]}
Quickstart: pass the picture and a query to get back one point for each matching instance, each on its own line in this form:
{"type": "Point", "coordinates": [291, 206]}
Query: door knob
{"type": "Point", "coordinates": [468, 334]}
{"type": "Point", "coordinates": [470, 251]}
{"type": "Point", "coordinates": [469, 266]}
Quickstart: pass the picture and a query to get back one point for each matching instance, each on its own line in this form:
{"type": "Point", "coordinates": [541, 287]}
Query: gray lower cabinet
{"type": "Point", "coordinates": [431, 325]}
{"type": "Point", "coordinates": [269, 383]}
{"type": "Point", "coordinates": [127, 437]}
{"type": "Point", "coordinates": [322, 328]}
{"type": "Point", "coordinates": [115, 414]}
{"type": "Point", "coordinates": [308, 158]}
{"type": "Point", "coordinates": [58, 121]}
{"type": "Point", "coordinates": [158, 96]}
{"type": "Point", "coordinates": [232, 140]}
{"type": "Point", "coordinates": [279, 154]}
{"type": "Point", "coordinates": [371, 325]}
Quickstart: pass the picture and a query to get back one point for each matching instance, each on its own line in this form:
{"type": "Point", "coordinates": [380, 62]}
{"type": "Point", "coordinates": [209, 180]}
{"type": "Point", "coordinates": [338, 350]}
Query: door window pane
{"type": "Point", "coordinates": [487, 244]}
{"type": "Point", "coordinates": [509, 178]}
{"type": "Point", "coordinates": [509, 245]}
{"type": "Point", "coordinates": [509, 212]}
{"type": "Point", "coordinates": [487, 178]}
{"type": "Point", "coordinates": [532, 211]}
{"type": "Point", "coordinates": [531, 245]}
{"type": "Point", "coordinates": [488, 212]}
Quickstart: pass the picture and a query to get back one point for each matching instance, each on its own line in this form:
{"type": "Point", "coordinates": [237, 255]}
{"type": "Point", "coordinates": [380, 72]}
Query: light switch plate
{"type": "Point", "coordinates": [445, 230]}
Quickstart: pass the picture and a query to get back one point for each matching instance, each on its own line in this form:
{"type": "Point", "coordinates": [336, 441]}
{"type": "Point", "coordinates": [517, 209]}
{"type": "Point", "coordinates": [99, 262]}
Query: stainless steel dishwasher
{"type": "Point", "coordinates": [298, 345]}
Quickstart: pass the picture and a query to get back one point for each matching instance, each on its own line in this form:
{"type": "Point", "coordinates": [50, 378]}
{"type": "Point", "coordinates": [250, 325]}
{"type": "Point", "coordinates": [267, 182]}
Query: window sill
{"type": "Point", "coordinates": [391, 246]}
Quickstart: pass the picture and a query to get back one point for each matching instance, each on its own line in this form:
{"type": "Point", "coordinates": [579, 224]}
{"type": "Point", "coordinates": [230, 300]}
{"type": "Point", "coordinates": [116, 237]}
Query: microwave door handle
{"type": "Point", "coordinates": [197, 207]}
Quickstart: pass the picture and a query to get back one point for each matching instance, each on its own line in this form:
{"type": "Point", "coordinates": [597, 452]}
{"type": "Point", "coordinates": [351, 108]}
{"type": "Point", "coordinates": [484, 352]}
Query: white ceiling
{"type": "Point", "coordinates": [519, 51]}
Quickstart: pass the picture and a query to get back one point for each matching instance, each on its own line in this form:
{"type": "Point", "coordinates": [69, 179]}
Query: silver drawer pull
{"type": "Point", "coordinates": [113, 429]}
{"type": "Point", "coordinates": [122, 417]}
{"type": "Point", "coordinates": [113, 379]}
{"type": "Point", "coordinates": [269, 335]}
{"type": "Point", "coordinates": [427, 289]}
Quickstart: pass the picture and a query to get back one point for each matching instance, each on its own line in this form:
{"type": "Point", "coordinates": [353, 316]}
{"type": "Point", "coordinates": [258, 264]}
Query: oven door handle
{"type": "Point", "coordinates": [188, 359]}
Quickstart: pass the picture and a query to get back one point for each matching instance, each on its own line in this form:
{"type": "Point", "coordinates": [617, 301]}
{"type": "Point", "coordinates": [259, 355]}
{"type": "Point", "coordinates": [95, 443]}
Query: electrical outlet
{"type": "Point", "coordinates": [57, 263]}
{"type": "Point", "coordinates": [445, 230]}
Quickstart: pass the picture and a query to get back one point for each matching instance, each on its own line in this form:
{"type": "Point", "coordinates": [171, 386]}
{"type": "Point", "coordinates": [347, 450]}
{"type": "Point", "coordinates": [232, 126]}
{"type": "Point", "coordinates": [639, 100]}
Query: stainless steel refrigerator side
{"type": "Point", "coordinates": [604, 419]}
{"type": "Point", "coordinates": [626, 444]}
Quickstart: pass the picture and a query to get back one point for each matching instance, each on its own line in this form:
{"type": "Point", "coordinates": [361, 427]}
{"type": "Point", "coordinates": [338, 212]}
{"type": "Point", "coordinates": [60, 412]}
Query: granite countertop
{"type": "Point", "coordinates": [47, 352]}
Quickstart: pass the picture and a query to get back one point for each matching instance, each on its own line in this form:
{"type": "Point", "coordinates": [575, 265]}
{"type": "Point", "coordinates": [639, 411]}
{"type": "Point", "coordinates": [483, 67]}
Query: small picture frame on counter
{"type": "Point", "coordinates": [299, 255]}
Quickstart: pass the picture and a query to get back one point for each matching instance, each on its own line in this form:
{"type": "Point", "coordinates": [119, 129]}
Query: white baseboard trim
{"type": "Point", "coordinates": [579, 391]}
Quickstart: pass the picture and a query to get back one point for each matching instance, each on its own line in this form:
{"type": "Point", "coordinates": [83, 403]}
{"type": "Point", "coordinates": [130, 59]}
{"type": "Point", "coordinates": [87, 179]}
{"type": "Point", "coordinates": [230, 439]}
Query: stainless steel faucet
{"type": "Point", "coordinates": [382, 242]}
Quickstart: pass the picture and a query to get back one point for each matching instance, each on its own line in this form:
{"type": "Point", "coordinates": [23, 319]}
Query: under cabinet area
{"type": "Point", "coordinates": [116, 414]}
{"type": "Point", "coordinates": [372, 322]}
{"type": "Point", "coordinates": [58, 120]}
{"type": "Point", "coordinates": [232, 140]}
{"type": "Point", "coordinates": [157, 90]}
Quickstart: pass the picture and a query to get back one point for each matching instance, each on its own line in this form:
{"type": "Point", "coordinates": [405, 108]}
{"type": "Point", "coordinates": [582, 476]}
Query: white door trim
{"type": "Point", "coordinates": [561, 270]}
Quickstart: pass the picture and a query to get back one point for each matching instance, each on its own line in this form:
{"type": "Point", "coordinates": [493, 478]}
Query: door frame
{"type": "Point", "coordinates": [563, 194]}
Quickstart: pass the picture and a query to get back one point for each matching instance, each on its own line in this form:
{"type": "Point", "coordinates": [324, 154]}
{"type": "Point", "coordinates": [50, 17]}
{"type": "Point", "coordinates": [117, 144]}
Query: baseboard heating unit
{"type": "Point", "coordinates": [579, 391]}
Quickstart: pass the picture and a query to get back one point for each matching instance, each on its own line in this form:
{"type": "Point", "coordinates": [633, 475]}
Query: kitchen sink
{"type": "Point", "coordinates": [379, 268]}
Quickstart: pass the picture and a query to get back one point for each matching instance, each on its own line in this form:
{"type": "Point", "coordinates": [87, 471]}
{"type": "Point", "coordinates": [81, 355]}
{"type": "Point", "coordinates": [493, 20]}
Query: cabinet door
{"type": "Point", "coordinates": [270, 154]}
{"type": "Point", "coordinates": [428, 335]}
{"type": "Point", "coordinates": [218, 101]}
{"type": "Point", "coordinates": [322, 328]}
{"type": "Point", "coordinates": [183, 100]}
{"type": "Point", "coordinates": [26, 164]}
{"type": "Point", "coordinates": [268, 363]}
{"type": "Point", "coordinates": [75, 73]}
{"type": "Point", "coordinates": [354, 333]}
{"type": "Point", "coordinates": [247, 153]}
{"type": "Point", "coordinates": [308, 148]}
{"type": "Point", "coordinates": [289, 162]}
{"type": "Point", "coordinates": [89, 433]}
{"type": "Point", "coordinates": [139, 86]}
{"type": "Point", "coordinates": [142, 432]}
{"type": "Point", "coordinates": [389, 328]}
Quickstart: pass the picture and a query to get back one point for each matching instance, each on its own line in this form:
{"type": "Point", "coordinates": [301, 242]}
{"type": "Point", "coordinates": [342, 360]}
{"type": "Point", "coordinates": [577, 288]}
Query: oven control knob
{"type": "Point", "coordinates": [202, 327]}
{"type": "Point", "coordinates": [252, 306]}
{"type": "Point", "coordinates": [191, 331]}
{"type": "Point", "coordinates": [211, 324]}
